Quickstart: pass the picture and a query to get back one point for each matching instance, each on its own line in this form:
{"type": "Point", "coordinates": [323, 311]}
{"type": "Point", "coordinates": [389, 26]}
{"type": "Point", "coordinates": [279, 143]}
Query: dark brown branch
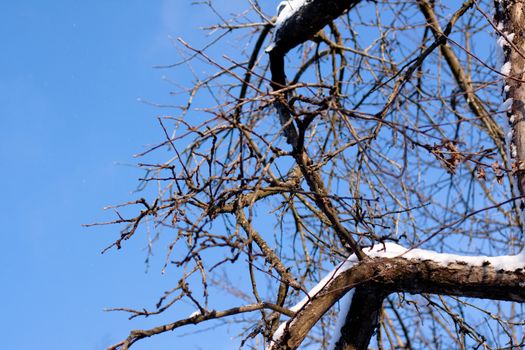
{"type": "Point", "coordinates": [297, 29]}
{"type": "Point", "coordinates": [322, 200]}
{"type": "Point", "coordinates": [269, 254]}
{"type": "Point", "coordinates": [307, 21]}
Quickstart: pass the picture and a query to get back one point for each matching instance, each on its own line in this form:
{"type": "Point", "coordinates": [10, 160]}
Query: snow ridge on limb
{"type": "Point", "coordinates": [344, 308]}
{"type": "Point", "coordinates": [286, 9]}
{"type": "Point", "coordinates": [397, 268]}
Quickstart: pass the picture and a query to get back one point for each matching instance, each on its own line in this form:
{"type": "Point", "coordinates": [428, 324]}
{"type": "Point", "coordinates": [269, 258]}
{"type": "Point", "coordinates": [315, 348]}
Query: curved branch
{"type": "Point", "coordinates": [303, 24]}
{"type": "Point", "coordinates": [307, 21]}
{"type": "Point", "coordinates": [403, 275]}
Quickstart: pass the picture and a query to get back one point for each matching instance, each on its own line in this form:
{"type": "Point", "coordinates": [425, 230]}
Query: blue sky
{"type": "Point", "coordinates": [70, 121]}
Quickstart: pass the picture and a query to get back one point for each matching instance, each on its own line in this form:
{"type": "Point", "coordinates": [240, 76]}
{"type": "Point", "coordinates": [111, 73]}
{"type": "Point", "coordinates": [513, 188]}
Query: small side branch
{"type": "Point", "coordinates": [137, 335]}
{"type": "Point", "coordinates": [269, 254]}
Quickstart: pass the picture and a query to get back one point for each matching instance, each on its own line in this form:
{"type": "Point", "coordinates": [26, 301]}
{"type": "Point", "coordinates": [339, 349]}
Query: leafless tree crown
{"type": "Point", "coordinates": [354, 124]}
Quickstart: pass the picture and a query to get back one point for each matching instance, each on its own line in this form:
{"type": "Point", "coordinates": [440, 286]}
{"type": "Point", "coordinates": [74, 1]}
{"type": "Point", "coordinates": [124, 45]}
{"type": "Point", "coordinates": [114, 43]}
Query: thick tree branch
{"type": "Point", "coordinates": [322, 200]}
{"type": "Point", "coordinates": [268, 252]}
{"type": "Point", "coordinates": [307, 21]}
{"type": "Point", "coordinates": [411, 276]}
{"type": "Point", "coordinates": [298, 28]}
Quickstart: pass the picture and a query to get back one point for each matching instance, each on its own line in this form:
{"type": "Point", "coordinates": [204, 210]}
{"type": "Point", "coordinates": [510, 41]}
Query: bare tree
{"type": "Point", "coordinates": [348, 148]}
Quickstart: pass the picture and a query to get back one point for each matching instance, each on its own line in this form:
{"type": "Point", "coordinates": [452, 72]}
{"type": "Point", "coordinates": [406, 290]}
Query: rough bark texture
{"type": "Point", "coordinates": [510, 15]}
{"type": "Point", "coordinates": [410, 276]}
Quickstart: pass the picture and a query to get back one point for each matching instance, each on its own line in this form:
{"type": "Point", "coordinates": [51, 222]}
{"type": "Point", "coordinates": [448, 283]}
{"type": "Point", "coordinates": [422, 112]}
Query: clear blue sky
{"type": "Point", "coordinates": [69, 124]}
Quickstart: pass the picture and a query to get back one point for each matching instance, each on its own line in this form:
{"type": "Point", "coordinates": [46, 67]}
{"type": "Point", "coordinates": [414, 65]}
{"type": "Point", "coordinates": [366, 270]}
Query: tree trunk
{"type": "Point", "coordinates": [510, 21]}
{"type": "Point", "coordinates": [362, 319]}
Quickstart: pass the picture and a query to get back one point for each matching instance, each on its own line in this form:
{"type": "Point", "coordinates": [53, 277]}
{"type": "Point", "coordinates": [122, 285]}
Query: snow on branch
{"type": "Point", "coordinates": [398, 269]}
{"type": "Point", "coordinates": [297, 20]}
{"type": "Point", "coordinates": [286, 9]}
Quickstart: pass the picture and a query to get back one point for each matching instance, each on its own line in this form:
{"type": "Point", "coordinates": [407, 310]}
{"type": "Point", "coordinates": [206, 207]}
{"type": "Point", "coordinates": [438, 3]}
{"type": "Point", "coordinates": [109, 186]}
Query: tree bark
{"type": "Point", "coordinates": [510, 19]}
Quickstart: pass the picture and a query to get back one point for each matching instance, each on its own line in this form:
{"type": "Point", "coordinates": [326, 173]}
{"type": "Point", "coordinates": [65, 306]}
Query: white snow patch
{"type": "Point", "coordinates": [505, 39]}
{"type": "Point", "coordinates": [285, 10]}
{"type": "Point", "coordinates": [504, 262]}
{"type": "Point", "coordinates": [512, 119]}
{"type": "Point", "coordinates": [196, 313]}
{"type": "Point", "coordinates": [506, 88]}
{"type": "Point", "coordinates": [505, 69]}
{"type": "Point", "coordinates": [278, 333]}
{"type": "Point", "coordinates": [344, 307]}
{"type": "Point", "coordinates": [507, 104]}
{"type": "Point", "coordinates": [501, 41]}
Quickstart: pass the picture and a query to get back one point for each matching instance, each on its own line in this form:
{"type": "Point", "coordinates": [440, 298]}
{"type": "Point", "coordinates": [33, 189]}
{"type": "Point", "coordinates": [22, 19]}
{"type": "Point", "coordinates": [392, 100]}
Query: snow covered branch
{"type": "Point", "coordinates": [299, 20]}
{"type": "Point", "coordinates": [393, 268]}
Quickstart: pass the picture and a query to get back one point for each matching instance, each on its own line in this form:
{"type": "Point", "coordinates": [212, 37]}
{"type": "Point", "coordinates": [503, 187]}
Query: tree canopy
{"type": "Point", "coordinates": [372, 139]}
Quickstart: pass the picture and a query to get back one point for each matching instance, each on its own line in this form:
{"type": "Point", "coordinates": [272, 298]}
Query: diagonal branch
{"type": "Point", "coordinates": [269, 254]}
{"type": "Point", "coordinates": [303, 24]}
{"type": "Point", "coordinates": [475, 104]}
{"type": "Point", "coordinates": [139, 334]}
